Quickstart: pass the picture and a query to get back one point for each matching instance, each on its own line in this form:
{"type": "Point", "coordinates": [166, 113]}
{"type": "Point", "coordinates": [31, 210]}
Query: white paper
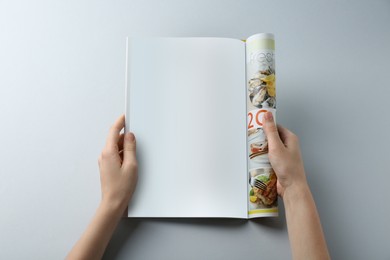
{"type": "Point", "coordinates": [186, 105]}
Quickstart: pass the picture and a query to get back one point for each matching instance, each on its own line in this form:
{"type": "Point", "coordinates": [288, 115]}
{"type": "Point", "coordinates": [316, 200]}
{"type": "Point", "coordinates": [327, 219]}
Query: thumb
{"type": "Point", "coordinates": [129, 149]}
{"type": "Point", "coordinates": [271, 131]}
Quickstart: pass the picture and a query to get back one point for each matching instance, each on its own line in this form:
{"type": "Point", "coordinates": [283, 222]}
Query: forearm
{"type": "Point", "coordinates": [304, 226]}
{"type": "Point", "coordinates": [95, 239]}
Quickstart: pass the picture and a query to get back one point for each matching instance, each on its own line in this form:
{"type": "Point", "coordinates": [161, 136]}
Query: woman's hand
{"type": "Point", "coordinates": [284, 155]}
{"type": "Point", "coordinates": [118, 177]}
{"type": "Point", "coordinates": [303, 223]}
{"type": "Point", "coordinates": [118, 167]}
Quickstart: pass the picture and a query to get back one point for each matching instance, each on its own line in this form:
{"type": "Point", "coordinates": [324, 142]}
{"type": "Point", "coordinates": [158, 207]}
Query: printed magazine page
{"type": "Point", "coordinates": [189, 116]}
{"type": "Point", "coordinates": [261, 97]}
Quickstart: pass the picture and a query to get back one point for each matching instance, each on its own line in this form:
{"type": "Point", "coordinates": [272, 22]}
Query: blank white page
{"type": "Point", "coordinates": [186, 105]}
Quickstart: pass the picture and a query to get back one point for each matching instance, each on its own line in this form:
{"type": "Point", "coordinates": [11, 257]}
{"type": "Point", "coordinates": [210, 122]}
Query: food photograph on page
{"type": "Point", "coordinates": [262, 88]}
{"type": "Point", "coordinates": [257, 142]}
{"type": "Point", "coordinates": [262, 188]}
{"type": "Point", "coordinates": [257, 149]}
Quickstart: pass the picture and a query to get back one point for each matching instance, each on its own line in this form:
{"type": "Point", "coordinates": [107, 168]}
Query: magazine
{"type": "Point", "coordinates": [196, 106]}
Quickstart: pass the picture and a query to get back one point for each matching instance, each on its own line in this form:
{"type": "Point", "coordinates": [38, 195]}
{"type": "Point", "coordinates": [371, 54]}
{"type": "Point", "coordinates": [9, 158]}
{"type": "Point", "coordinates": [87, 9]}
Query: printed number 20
{"type": "Point", "coordinates": [256, 117]}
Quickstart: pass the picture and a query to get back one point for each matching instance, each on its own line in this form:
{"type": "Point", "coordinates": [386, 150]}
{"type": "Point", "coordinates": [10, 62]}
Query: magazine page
{"type": "Point", "coordinates": [186, 106]}
{"type": "Point", "coordinates": [261, 97]}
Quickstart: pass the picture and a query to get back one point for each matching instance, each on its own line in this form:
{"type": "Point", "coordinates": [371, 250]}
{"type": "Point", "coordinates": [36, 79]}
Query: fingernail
{"type": "Point", "coordinates": [131, 136]}
{"type": "Point", "coordinates": [268, 116]}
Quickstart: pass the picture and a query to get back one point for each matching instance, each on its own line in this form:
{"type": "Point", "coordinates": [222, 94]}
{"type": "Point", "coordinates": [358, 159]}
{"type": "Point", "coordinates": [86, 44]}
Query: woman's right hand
{"type": "Point", "coordinates": [284, 155]}
{"type": "Point", "coordinates": [303, 223]}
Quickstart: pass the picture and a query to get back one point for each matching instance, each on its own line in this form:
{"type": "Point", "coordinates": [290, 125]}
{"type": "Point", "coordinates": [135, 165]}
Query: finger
{"type": "Point", "coordinates": [288, 138]}
{"type": "Point", "coordinates": [271, 132]}
{"type": "Point", "coordinates": [120, 145]}
{"type": "Point", "coordinates": [129, 150]}
{"type": "Point", "coordinates": [113, 135]}
{"type": "Point", "coordinates": [121, 155]}
{"type": "Point", "coordinates": [120, 141]}
{"type": "Point", "coordinates": [282, 132]}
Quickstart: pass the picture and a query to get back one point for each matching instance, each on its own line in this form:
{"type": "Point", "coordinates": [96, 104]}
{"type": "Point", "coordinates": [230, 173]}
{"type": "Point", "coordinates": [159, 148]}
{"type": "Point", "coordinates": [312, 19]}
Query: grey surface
{"type": "Point", "coordinates": [61, 86]}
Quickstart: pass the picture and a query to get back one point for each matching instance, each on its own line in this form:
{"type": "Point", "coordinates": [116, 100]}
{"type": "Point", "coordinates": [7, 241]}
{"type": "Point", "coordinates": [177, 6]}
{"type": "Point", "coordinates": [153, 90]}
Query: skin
{"type": "Point", "coordinates": [118, 177]}
{"type": "Point", "coordinates": [303, 223]}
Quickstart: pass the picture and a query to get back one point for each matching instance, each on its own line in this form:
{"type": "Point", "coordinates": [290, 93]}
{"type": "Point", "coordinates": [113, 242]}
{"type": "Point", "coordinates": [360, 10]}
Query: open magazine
{"type": "Point", "coordinates": [196, 106]}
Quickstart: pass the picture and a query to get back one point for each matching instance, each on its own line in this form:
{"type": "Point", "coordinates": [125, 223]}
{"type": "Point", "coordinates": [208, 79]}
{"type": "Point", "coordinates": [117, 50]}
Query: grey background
{"type": "Point", "coordinates": [61, 87]}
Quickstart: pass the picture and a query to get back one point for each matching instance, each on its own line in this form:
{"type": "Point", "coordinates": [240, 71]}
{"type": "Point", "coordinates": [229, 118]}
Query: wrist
{"type": "Point", "coordinates": [296, 192]}
{"type": "Point", "coordinates": [113, 207]}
